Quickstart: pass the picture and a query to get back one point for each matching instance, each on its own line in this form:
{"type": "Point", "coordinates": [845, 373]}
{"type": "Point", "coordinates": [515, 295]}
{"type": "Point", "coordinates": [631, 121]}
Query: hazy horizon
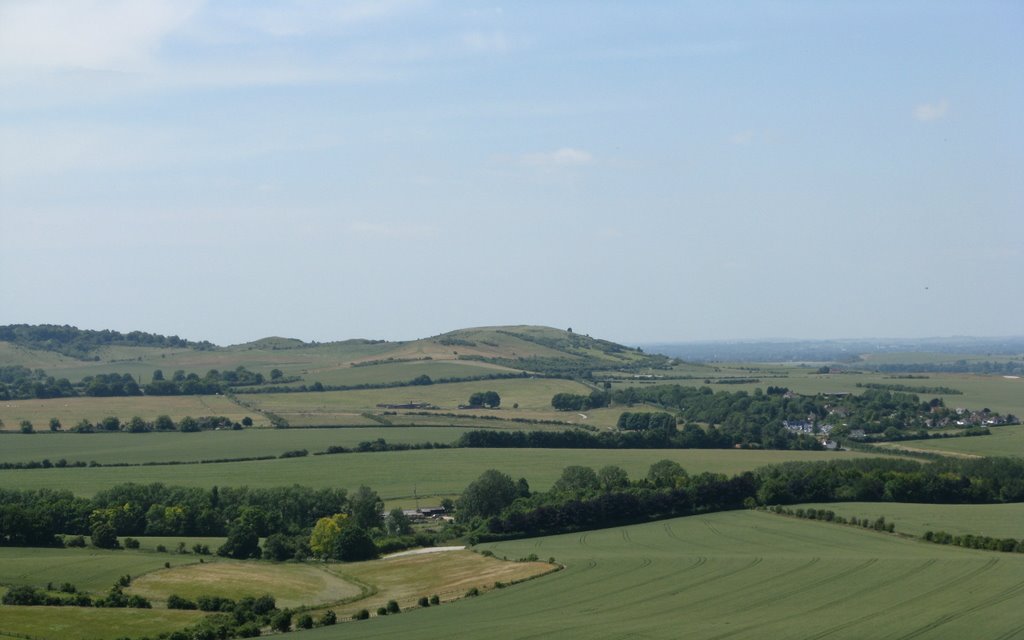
{"type": "Point", "coordinates": [647, 172]}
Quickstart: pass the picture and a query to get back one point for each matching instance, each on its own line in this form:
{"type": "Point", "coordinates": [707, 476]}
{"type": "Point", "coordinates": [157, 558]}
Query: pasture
{"type": "Point", "coordinates": [995, 520]}
{"type": "Point", "coordinates": [733, 575]}
{"type": "Point", "coordinates": [394, 474]}
{"type": "Point", "coordinates": [1003, 441]}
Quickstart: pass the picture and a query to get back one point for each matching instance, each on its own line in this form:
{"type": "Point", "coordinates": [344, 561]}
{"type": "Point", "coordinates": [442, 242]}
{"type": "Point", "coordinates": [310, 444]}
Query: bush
{"type": "Point", "coordinates": [381, 611]}
{"type": "Point", "coordinates": [282, 621]}
{"type": "Point", "coordinates": [131, 543]}
{"type": "Point", "coordinates": [75, 541]}
{"type": "Point", "coordinates": [393, 607]}
{"type": "Point", "coordinates": [362, 614]}
{"type": "Point", "coordinates": [423, 601]}
{"type": "Point", "coordinates": [329, 618]}
{"type": "Point", "coordinates": [174, 601]}
{"type": "Point", "coordinates": [305, 621]}
{"type": "Point", "coordinates": [473, 592]}
{"type": "Point", "coordinates": [435, 599]}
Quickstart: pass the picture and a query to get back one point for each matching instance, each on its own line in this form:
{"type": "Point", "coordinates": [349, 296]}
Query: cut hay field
{"type": "Point", "coordinates": [138, 448]}
{"type": "Point", "coordinates": [742, 575]}
{"type": "Point", "coordinates": [394, 474]}
{"type": "Point", "coordinates": [1003, 441]}
{"type": "Point", "coordinates": [291, 584]}
{"type": "Point", "coordinates": [995, 520]}
{"type": "Point", "coordinates": [71, 410]}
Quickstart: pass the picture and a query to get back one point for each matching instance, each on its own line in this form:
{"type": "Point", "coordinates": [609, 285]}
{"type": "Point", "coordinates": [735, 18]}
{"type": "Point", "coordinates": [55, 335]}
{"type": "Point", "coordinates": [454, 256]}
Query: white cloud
{"type": "Point", "coordinates": [930, 112]}
{"type": "Point", "coordinates": [91, 34]}
{"type": "Point", "coordinates": [564, 157]}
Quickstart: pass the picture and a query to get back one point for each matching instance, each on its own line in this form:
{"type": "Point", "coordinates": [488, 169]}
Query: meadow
{"type": "Point", "coordinates": [394, 475]}
{"type": "Point", "coordinates": [733, 575]}
{"type": "Point", "coordinates": [995, 520]}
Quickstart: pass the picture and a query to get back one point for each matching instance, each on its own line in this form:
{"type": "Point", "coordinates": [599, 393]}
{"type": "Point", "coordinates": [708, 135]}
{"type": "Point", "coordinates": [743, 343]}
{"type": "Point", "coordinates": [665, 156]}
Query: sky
{"type": "Point", "coordinates": [638, 171]}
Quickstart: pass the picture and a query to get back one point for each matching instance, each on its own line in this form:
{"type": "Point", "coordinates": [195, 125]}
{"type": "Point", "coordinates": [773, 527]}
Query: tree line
{"type": "Point", "coordinates": [495, 506]}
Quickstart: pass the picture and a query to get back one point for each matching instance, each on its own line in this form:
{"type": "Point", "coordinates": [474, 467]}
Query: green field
{"type": "Point", "coordinates": [91, 570]}
{"type": "Point", "coordinates": [81, 623]}
{"type": "Point", "coordinates": [394, 474]}
{"type": "Point", "coordinates": [733, 575]}
{"type": "Point", "coordinates": [136, 448]}
{"type": "Point", "coordinates": [995, 520]}
{"type": "Point", "coordinates": [1003, 441]}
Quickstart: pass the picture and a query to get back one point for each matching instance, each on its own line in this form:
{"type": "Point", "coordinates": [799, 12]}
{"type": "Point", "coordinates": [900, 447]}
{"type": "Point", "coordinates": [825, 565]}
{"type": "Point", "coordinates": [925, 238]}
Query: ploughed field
{"type": "Point", "coordinates": [734, 575]}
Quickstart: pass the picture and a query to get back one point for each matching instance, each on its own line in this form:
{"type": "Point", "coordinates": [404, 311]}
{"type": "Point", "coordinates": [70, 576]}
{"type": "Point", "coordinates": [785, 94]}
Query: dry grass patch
{"type": "Point", "coordinates": [291, 585]}
{"type": "Point", "coordinates": [449, 574]}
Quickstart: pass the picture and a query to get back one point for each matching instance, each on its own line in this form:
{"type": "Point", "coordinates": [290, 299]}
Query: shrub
{"type": "Point", "coordinates": [435, 599]}
{"type": "Point", "coordinates": [473, 592]}
{"type": "Point", "coordinates": [362, 614]}
{"type": "Point", "coordinates": [282, 621]}
{"type": "Point", "coordinates": [131, 543]}
{"type": "Point", "coordinates": [305, 621]}
{"type": "Point", "coordinates": [174, 601]}
{"type": "Point", "coordinates": [393, 607]}
{"type": "Point", "coordinates": [329, 618]}
{"type": "Point", "coordinates": [381, 611]}
{"type": "Point", "coordinates": [75, 541]}
{"type": "Point", "coordinates": [423, 601]}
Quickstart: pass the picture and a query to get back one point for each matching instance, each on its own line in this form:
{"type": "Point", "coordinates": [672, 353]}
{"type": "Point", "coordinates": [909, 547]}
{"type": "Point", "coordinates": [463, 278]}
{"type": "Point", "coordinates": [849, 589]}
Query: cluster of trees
{"type": "Point", "coordinates": [136, 424]}
{"type": "Point", "coordinates": [20, 383]}
{"type": "Point", "coordinates": [215, 381]}
{"type": "Point", "coordinates": [487, 399]}
{"type": "Point", "coordinates": [80, 343]}
{"type": "Point", "coordinates": [645, 421]}
{"type": "Point", "coordinates": [495, 506]}
{"type": "Point", "coordinates": [755, 419]}
{"type": "Point", "coordinates": [689, 437]}
{"type": "Point", "coordinates": [972, 541]}
{"type": "Point", "coordinates": [909, 388]}
{"type": "Point", "coordinates": [297, 522]}
{"type": "Point", "coordinates": [68, 596]}
{"type": "Point", "coordinates": [35, 517]}
{"type": "Point", "coordinates": [827, 515]}
{"type": "Point", "coordinates": [106, 385]}
{"type": "Point", "coordinates": [579, 402]}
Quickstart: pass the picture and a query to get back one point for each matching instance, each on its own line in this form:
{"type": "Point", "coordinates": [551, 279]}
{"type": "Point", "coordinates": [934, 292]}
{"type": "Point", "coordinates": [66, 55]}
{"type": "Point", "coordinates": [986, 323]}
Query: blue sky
{"type": "Point", "coordinates": [638, 171]}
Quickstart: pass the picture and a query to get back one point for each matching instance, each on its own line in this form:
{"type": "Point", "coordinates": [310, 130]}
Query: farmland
{"type": "Point", "coordinates": [724, 575]}
{"type": "Point", "coordinates": [995, 520]}
{"type": "Point", "coordinates": [735, 575]}
{"type": "Point", "coordinates": [1003, 441]}
{"type": "Point", "coordinates": [394, 474]}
